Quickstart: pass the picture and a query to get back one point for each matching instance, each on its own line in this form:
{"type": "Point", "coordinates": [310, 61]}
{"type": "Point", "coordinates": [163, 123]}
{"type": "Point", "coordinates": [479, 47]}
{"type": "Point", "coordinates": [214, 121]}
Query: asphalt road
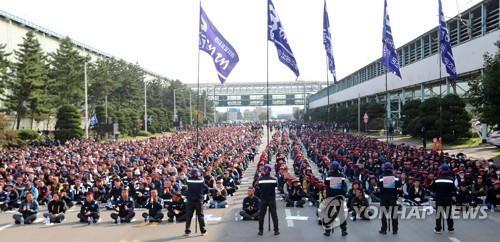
{"type": "Point", "coordinates": [223, 227]}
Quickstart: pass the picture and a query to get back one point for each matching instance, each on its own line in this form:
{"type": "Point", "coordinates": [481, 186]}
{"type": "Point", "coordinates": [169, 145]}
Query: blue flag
{"type": "Point", "coordinates": [276, 34]}
{"type": "Point", "coordinates": [390, 55]}
{"type": "Point", "coordinates": [445, 46]}
{"type": "Point", "coordinates": [327, 41]}
{"type": "Point", "coordinates": [214, 44]}
{"type": "Point", "coordinates": [150, 120]}
{"type": "Point", "coordinates": [93, 121]}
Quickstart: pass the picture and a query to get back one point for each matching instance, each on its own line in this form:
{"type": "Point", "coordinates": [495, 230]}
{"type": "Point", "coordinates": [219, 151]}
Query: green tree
{"type": "Point", "coordinates": [67, 73]}
{"type": "Point", "coordinates": [484, 94]}
{"type": "Point", "coordinates": [27, 89]}
{"type": "Point", "coordinates": [102, 81]}
{"type": "Point", "coordinates": [5, 68]}
{"type": "Point", "coordinates": [455, 123]}
{"type": "Point", "coordinates": [410, 112]}
{"type": "Point", "coordinates": [68, 123]}
{"type": "Point", "coordinates": [429, 117]}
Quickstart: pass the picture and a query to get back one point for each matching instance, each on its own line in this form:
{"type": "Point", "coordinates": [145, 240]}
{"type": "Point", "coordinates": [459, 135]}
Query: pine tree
{"type": "Point", "coordinates": [27, 96]}
{"type": "Point", "coordinates": [68, 123]}
{"type": "Point", "coordinates": [5, 68]}
{"type": "Point", "coordinates": [68, 74]}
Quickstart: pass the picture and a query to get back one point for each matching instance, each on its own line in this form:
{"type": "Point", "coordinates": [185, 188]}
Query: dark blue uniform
{"type": "Point", "coordinates": [91, 207]}
{"type": "Point", "coordinates": [154, 211]}
{"type": "Point", "coordinates": [267, 195]}
{"type": "Point", "coordinates": [195, 191]}
{"type": "Point", "coordinates": [389, 186]}
{"type": "Point", "coordinates": [336, 186]}
{"type": "Point", "coordinates": [445, 190]}
{"type": "Point", "coordinates": [125, 210]}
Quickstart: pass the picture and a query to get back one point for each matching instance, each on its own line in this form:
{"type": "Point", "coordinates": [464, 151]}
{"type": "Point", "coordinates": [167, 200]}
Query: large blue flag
{"type": "Point", "coordinates": [327, 41]}
{"type": "Point", "coordinates": [276, 34]}
{"type": "Point", "coordinates": [214, 44]}
{"type": "Point", "coordinates": [444, 42]}
{"type": "Point", "coordinates": [93, 121]}
{"type": "Point", "coordinates": [390, 55]}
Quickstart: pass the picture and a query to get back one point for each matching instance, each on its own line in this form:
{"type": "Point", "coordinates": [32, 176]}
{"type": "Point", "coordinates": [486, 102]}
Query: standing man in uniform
{"type": "Point", "coordinates": [336, 186]}
{"type": "Point", "coordinates": [267, 184]}
{"type": "Point", "coordinates": [445, 191]}
{"type": "Point", "coordinates": [389, 187]}
{"type": "Point", "coordinates": [195, 191]}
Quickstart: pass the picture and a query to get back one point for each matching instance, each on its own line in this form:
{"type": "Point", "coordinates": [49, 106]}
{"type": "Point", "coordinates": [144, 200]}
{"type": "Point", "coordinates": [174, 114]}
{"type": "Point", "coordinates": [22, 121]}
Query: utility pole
{"type": "Point", "coordinates": [86, 103]}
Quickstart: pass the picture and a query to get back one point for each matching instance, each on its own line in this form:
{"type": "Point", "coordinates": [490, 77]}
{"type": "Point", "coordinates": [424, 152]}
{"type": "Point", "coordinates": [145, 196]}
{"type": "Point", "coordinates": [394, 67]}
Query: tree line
{"type": "Point", "coordinates": [36, 85]}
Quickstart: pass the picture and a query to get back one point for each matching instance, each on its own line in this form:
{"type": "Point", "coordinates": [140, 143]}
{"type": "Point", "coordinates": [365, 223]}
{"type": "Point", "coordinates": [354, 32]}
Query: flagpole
{"type": "Point", "coordinates": [145, 108]}
{"type": "Point", "coordinates": [386, 110]}
{"type": "Point", "coordinates": [198, 90]}
{"type": "Point", "coordinates": [267, 84]}
{"type": "Point", "coordinates": [440, 91]}
{"type": "Point", "coordinates": [328, 92]}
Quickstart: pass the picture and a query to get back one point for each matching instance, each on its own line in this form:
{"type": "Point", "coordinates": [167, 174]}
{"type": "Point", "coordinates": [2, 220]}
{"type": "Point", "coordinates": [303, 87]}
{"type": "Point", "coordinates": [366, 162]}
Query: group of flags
{"type": "Point", "coordinates": [225, 57]}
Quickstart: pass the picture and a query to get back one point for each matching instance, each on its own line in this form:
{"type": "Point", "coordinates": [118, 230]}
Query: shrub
{"type": "Point", "coordinates": [143, 133]}
{"type": "Point", "coordinates": [28, 134]}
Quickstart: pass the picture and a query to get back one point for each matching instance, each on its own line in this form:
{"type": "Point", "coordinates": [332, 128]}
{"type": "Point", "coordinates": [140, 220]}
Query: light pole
{"type": "Point", "coordinates": [145, 107]}
{"type": "Point", "coordinates": [86, 102]}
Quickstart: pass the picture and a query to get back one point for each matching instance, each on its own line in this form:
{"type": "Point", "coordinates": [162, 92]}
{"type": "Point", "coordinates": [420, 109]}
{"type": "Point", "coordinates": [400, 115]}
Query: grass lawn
{"type": "Point", "coordinates": [464, 143]}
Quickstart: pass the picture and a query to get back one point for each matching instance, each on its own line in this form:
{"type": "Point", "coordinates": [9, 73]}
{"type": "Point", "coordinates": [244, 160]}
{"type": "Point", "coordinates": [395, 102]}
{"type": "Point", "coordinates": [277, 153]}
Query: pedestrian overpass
{"type": "Point", "coordinates": [247, 94]}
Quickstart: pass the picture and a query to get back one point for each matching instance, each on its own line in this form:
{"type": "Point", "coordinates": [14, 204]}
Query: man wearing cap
{"type": "Point", "coordinates": [89, 212]}
{"type": "Point", "coordinates": [267, 195]}
{"type": "Point", "coordinates": [296, 195]}
{"type": "Point", "coordinates": [445, 191]}
{"type": "Point", "coordinates": [177, 208]}
{"type": "Point", "coordinates": [196, 189]}
{"type": "Point", "coordinates": [14, 201]}
{"type": "Point", "coordinates": [335, 186]}
{"type": "Point", "coordinates": [389, 187]}
{"type": "Point", "coordinates": [251, 206]}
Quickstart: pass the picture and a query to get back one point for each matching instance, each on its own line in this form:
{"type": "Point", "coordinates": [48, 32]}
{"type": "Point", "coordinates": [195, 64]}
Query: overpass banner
{"type": "Point", "coordinates": [213, 43]}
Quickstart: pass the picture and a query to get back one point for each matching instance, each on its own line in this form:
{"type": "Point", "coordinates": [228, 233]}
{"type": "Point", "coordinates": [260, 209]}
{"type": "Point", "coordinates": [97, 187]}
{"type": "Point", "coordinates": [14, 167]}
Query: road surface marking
{"type": "Point", "coordinates": [6, 226]}
{"type": "Point", "coordinates": [288, 214]}
{"type": "Point", "coordinates": [453, 239]}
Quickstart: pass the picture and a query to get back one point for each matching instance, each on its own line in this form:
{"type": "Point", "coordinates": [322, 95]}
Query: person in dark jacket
{"type": "Point", "coordinates": [27, 211]}
{"type": "Point", "coordinates": [251, 206]}
{"type": "Point", "coordinates": [336, 186]}
{"type": "Point", "coordinates": [267, 194]}
{"type": "Point", "coordinates": [124, 208]}
{"type": "Point", "coordinates": [359, 204]}
{"type": "Point", "coordinates": [229, 184]}
{"type": "Point", "coordinates": [89, 212]}
{"type": "Point", "coordinates": [14, 201]}
{"type": "Point", "coordinates": [4, 199]}
{"type": "Point", "coordinates": [390, 187]}
{"type": "Point", "coordinates": [296, 195]}
{"type": "Point", "coordinates": [196, 189]}
{"type": "Point", "coordinates": [177, 208]}
{"type": "Point", "coordinates": [416, 193]}
{"type": "Point", "coordinates": [464, 196]}
{"type": "Point", "coordinates": [56, 209]}
{"type": "Point", "coordinates": [493, 197]}
{"type": "Point", "coordinates": [154, 207]}
{"type": "Point", "coordinates": [445, 191]}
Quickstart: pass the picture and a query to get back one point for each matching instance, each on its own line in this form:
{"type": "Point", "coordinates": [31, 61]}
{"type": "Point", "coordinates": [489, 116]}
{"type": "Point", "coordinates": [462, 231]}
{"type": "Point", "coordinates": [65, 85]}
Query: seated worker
{"type": "Point", "coordinates": [359, 203]}
{"type": "Point", "coordinates": [27, 211]}
{"type": "Point", "coordinates": [13, 201]}
{"type": "Point", "coordinates": [177, 208]}
{"type": "Point", "coordinates": [229, 183]}
{"type": "Point", "coordinates": [56, 209]}
{"type": "Point", "coordinates": [251, 206]}
{"type": "Point", "coordinates": [416, 193]}
{"type": "Point", "coordinates": [142, 194]}
{"type": "Point", "coordinates": [89, 212]}
{"type": "Point", "coordinates": [219, 196]}
{"type": "Point", "coordinates": [4, 199]}
{"type": "Point", "coordinates": [124, 207]}
{"type": "Point", "coordinates": [154, 206]}
{"type": "Point", "coordinates": [464, 196]}
{"type": "Point", "coordinates": [295, 194]}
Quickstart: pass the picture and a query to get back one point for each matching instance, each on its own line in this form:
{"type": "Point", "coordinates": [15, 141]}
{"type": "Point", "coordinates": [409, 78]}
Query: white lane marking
{"type": "Point", "coordinates": [39, 220]}
{"type": "Point", "coordinates": [6, 226]}
{"type": "Point", "coordinates": [210, 218]}
{"type": "Point", "coordinates": [453, 239]}
{"type": "Point", "coordinates": [288, 214]}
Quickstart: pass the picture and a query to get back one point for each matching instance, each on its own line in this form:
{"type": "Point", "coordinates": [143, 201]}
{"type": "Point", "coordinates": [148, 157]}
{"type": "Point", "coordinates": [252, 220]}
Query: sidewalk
{"type": "Point", "coordinates": [483, 151]}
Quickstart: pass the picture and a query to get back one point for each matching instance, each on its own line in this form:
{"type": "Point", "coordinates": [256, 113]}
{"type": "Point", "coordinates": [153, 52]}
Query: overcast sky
{"type": "Point", "coordinates": [162, 35]}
